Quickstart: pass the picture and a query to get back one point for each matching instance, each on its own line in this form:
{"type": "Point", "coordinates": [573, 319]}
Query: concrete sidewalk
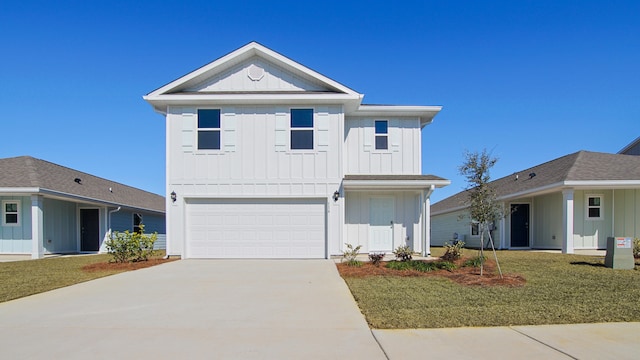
{"type": "Point", "coordinates": [579, 341]}
{"type": "Point", "coordinates": [261, 309]}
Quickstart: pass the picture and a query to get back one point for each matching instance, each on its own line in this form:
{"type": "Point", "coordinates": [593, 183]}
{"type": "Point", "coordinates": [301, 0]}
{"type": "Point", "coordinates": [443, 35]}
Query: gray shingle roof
{"type": "Point", "coordinates": [29, 172]}
{"type": "Point", "coordinates": [579, 166]}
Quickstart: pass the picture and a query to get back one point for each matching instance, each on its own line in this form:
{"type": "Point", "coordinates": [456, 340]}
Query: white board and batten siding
{"type": "Point", "coordinates": [407, 227]}
{"type": "Point", "coordinates": [403, 155]}
{"type": "Point", "coordinates": [266, 76]}
{"type": "Point", "coordinates": [254, 162]}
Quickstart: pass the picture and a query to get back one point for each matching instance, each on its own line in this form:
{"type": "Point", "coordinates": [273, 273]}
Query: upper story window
{"type": "Point", "coordinates": [382, 135]}
{"type": "Point", "coordinates": [301, 129]}
{"type": "Point", "coordinates": [208, 129]}
{"type": "Point", "coordinates": [11, 213]}
{"type": "Point", "coordinates": [137, 222]}
{"type": "Point", "coordinates": [594, 207]}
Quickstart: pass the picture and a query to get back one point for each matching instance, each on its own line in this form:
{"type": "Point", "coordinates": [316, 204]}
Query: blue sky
{"type": "Point", "coordinates": [528, 80]}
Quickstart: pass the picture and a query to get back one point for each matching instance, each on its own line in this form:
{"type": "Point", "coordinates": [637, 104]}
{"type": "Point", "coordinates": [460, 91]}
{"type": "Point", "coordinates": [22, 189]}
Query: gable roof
{"type": "Point", "coordinates": [181, 89]}
{"type": "Point", "coordinates": [581, 169]}
{"type": "Point", "coordinates": [635, 144]}
{"type": "Point", "coordinates": [200, 87]}
{"type": "Point", "coordinates": [25, 174]}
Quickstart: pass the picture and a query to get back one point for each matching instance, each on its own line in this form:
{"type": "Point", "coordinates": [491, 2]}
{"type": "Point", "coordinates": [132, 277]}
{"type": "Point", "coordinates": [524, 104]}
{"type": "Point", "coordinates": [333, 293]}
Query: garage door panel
{"type": "Point", "coordinates": [264, 228]}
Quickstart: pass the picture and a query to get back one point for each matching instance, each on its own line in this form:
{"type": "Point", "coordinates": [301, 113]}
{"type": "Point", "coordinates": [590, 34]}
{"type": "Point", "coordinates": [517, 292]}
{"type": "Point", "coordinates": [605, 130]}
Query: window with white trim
{"type": "Point", "coordinates": [208, 129]}
{"type": "Point", "coordinates": [11, 213]}
{"type": "Point", "coordinates": [382, 134]}
{"type": "Point", "coordinates": [594, 207]}
{"type": "Point", "coordinates": [301, 129]}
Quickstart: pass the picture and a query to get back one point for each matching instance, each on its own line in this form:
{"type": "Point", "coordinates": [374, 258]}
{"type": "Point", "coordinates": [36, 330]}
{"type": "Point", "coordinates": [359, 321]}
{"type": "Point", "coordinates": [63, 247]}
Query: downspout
{"type": "Point", "coordinates": [425, 210]}
{"type": "Point", "coordinates": [109, 218]}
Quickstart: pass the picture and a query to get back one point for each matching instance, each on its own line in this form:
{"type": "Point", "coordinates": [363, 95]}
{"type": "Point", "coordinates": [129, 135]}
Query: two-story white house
{"type": "Point", "coordinates": [267, 158]}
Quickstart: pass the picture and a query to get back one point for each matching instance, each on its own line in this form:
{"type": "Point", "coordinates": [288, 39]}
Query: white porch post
{"type": "Point", "coordinates": [426, 228]}
{"type": "Point", "coordinates": [37, 227]}
{"type": "Point", "coordinates": [567, 221]}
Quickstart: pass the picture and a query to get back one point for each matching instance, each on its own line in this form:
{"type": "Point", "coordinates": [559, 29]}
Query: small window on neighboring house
{"type": "Point", "coordinates": [475, 229]}
{"type": "Point", "coordinates": [209, 129]}
{"type": "Point", "coordinates": [11, 213]}
{"type": "Point", "coordinates": [382, 138]}
{"type": "Point", "coordinates": [594, 207]}
{"type": "Point", "coordinates": [301, 129]}
{"type": "Point", "coordinates": [137, 222]}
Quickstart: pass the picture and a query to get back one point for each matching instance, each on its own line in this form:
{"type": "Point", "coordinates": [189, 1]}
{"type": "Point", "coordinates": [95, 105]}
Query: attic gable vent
{"type": "Point", "coordinates": [255, 72]}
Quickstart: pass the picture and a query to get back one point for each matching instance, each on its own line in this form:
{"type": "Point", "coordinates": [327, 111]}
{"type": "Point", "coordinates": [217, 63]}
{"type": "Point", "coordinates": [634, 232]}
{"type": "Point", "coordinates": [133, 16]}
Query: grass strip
{"type": "Point", "coordinates": [560, 289]}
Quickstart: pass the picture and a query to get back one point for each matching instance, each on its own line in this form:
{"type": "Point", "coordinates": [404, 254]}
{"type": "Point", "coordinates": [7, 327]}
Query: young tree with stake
{"type": "Point", "coordinates": [483, 207]}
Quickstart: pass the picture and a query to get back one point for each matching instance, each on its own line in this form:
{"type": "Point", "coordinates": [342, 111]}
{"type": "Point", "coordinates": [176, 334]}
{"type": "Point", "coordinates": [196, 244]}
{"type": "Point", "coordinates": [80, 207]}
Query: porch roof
{"type": "Point", "coordinates": [580, 170]}
{"type": "Point", "coordinates": [393, 182]}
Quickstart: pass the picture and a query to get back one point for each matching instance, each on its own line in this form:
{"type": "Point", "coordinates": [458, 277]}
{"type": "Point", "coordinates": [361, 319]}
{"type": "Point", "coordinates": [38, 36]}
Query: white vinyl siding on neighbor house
{"type": "Point", "coordinates": [403, 153]}
{"type": "Point", "coordinates": [16, 239]}
{"type": "Point", "coordinates": [591, 233]}
{"type": "Point", "coordinates": [256, 228]}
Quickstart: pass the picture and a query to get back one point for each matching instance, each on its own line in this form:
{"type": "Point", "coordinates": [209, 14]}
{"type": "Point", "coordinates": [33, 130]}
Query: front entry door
{"type": "Point", "coordinates": [89, 229]}
{"type": "Point", "coordinates": [381, 215]}
{"type": "Point", "coordinates": [519, 225]}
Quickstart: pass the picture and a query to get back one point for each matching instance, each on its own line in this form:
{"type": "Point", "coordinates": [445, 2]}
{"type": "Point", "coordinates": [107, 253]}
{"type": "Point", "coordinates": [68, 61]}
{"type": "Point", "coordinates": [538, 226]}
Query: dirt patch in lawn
{"type": "Point", "coordinates": [110, 266]}
{"type": "Point", "coordinates": [469, 276]}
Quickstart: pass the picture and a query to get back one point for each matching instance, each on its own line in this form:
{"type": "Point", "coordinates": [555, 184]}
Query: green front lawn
{"type": "Point", "coordinates": [23, 278]}
{"type": "Point", "coordinates": [560, 289]}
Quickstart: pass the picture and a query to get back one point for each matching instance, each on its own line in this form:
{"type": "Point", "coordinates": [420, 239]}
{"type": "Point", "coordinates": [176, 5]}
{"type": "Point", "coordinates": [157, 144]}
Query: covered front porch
{"type": "Point", "coordinates": [383, 212]}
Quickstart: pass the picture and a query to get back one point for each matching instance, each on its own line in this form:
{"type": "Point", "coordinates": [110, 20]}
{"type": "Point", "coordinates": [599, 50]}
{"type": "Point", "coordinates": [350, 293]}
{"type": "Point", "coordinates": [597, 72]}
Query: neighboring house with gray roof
{"type": "Point", "coordinates": [573, 202]}
{"type": "Point", "coordinates": [632, 149]}
{"type": "Point", "coordinates": [48, 208]}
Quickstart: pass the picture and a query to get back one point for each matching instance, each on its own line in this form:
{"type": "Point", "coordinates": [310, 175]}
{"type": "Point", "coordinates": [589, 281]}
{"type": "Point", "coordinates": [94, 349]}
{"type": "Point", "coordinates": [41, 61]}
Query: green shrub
{"type": "Point", "coordinates": [423, 266]}
{"type": "Point", "coordinates": [636, 248]}
{"type": "Point", "coordinates": [403, 253]}
{"type": "Point", "coordinates": [453, 251]}
{"type": "Point", "coordinates": [350, 255]}
{"type": "Point", "coordinates": [375, 258]}
{"type": "Point", "coordinates": [475, 261]}
{"type": "Point", "coordinates": [131, 246]}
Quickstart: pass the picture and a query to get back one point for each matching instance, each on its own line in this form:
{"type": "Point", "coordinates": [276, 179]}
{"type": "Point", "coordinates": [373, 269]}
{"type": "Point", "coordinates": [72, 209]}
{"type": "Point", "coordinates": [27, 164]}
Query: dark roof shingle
{"type": "Point", "coordinates": [579, 166]}
{"type": "Point", "coordinates": [29, 172]}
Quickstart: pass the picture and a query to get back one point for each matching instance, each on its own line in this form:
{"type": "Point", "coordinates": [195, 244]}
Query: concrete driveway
{"type": "Point", "coordinates": [194, 309]}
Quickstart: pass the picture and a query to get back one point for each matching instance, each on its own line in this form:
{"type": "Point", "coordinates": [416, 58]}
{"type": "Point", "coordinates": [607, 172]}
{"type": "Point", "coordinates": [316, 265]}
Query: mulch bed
{"type": "Point", "coordinates": [107, 266]}
{"type": "Point", "coordinates": [469, 276]}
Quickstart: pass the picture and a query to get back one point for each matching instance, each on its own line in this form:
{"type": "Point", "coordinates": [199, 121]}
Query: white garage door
{"type": "Point", "coordinates": [261, 229]}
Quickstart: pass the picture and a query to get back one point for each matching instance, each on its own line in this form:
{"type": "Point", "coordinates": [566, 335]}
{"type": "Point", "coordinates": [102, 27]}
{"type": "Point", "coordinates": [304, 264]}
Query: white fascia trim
{"type": "Point", "coordinates": [618, 184]}
{"type": "Point", "coordinates": [63, 195]}
{"type": "Point", "coordinates": [425, 113]}
{"type": "Point", "coordinates": [241, 54]}
{"type": "Point", "coordinates": [19, 190]}
{"type": "Point", "coordinates": [161, 103]}
{"type": "Point", "coordinates": [249, 98]}
{"type": "Point", "coordinates": [393, 184]}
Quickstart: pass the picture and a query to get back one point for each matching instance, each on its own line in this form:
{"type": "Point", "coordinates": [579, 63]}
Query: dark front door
{"type": "Point", "coordinates": [89, 229]}
{"type": "Point", "coordinates": [519, 225]}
